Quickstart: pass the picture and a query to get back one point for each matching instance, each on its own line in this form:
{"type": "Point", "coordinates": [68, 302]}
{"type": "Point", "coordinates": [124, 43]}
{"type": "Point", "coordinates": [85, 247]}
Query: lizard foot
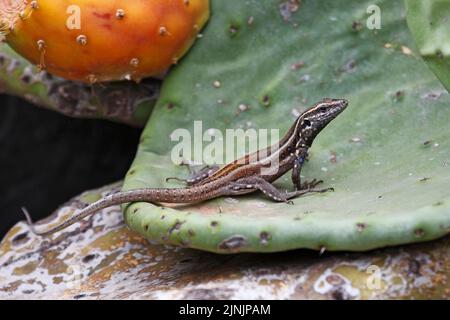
{"type": "Point", "coordinates": [308, 185]}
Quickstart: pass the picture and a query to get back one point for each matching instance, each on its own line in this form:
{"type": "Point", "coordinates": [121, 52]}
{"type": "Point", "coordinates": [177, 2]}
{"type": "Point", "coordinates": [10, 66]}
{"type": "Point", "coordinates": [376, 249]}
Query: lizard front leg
{"type": "Point", "coordinates": [250, 184]}
{"type": "Point", "coordinates": [296, 171]}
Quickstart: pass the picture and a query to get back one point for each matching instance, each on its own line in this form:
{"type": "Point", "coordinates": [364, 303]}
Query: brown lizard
{"type": "Point", "coordinates": [242, 176]}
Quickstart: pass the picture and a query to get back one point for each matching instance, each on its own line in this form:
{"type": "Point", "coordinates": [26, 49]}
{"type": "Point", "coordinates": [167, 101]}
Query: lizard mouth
{"type": "Point", "coordinates": [10, 12]}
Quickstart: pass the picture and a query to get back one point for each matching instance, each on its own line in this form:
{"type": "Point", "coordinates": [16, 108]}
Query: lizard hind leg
{"type": "Point", "coordinates": [258, 183]}
{"type": "Point", "coordinates": [195, 177]}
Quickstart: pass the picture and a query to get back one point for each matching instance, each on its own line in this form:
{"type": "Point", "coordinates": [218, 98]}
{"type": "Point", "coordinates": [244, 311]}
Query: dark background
{"type": "Point", "coordinates": [47, 158]}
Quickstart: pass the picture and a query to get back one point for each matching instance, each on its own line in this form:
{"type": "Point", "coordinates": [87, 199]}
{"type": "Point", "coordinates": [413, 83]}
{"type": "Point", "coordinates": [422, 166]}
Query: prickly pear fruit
{"type": "Point", "coordinates": [102, 40]}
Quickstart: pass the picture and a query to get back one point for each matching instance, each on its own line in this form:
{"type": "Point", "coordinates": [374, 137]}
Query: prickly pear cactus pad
{"type": "Point", "coordinates": [429, 24]}
{"type": "Point", "coordinates": [257, 65]}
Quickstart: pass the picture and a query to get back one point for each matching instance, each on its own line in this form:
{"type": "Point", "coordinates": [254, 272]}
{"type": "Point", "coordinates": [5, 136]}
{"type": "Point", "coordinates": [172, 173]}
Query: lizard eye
{"type": "Point", "coordinates": [323, 109]}
{"type": "Point", "coordinates": [307, 122]}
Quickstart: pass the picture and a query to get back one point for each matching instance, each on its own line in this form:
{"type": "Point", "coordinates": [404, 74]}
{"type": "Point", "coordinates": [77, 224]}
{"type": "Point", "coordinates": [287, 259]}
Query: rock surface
{"type": "Point", "coordinates": [101, 258]}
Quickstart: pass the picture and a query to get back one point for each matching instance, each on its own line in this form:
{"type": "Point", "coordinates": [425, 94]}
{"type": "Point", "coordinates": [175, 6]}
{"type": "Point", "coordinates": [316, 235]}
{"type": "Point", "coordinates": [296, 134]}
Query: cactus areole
{"type": "Point", "coordinates": [102, 40]}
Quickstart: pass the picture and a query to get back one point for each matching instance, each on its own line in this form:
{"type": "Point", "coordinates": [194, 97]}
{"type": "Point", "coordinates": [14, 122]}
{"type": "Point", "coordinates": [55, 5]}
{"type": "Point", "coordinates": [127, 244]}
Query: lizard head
{"type": "Point", "coordinates": [313, 120]}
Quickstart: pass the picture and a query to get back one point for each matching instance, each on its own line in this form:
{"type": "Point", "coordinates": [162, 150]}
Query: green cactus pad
{"type": "Point", "coordinates": [430, 25]}
{"type": "Point", "coordinates": [387, 155]}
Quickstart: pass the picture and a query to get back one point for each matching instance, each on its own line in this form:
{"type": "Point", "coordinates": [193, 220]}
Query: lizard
{"type": "Point", "coordinates": [239, 177]}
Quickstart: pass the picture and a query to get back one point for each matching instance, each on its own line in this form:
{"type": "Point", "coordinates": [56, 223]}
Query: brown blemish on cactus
{"type": "Point", "coordinates": [175, 227]}
{"type": "Point", "coordinates": [2, 60]}
{"type": "Point", "coordinates": [214, 224]}
{"type": "Point", "coordinates": [146, 227]}
{"type": "Point", "coordinates": [399, 95]}
{"type": "Point", "coordinates": [191, 233]}
{"type": "Point", "coordinates": [361, 226]}
{"type": "Point", "coordinates": [298, 65]}
{"type": "Point", "coordinates": [439, 54]}
{"type": "Point", "coordinates": [427, 143]}
{"type": "Point", "coordinates": [349, 67]}
{"type": "Point", "coordinates": [266, 100]}
{"type": "Point", "coordinates": [264, 238]}
{"type": "Point", "coordinates": [233, 30]}
{"type": "Point", "coordinates": [333, 157]}
{"type": "Point", "coordinates": [357, 26]}
{"type": "Point", "coordinates": [233, 243]}
{"type": "Point", "coordinates": [419, 233]}
{"type": "Point", "coordinates": [26, 78]}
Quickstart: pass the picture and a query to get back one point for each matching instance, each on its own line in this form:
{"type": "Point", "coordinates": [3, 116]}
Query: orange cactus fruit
{"type": "Point", "coordinates": [102, 40]}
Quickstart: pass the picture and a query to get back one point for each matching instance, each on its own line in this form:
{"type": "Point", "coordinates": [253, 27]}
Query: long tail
{"type": "Point", "coordinates": [89, 210]}
{"type": "Point", "coordinates": [137, 195]}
